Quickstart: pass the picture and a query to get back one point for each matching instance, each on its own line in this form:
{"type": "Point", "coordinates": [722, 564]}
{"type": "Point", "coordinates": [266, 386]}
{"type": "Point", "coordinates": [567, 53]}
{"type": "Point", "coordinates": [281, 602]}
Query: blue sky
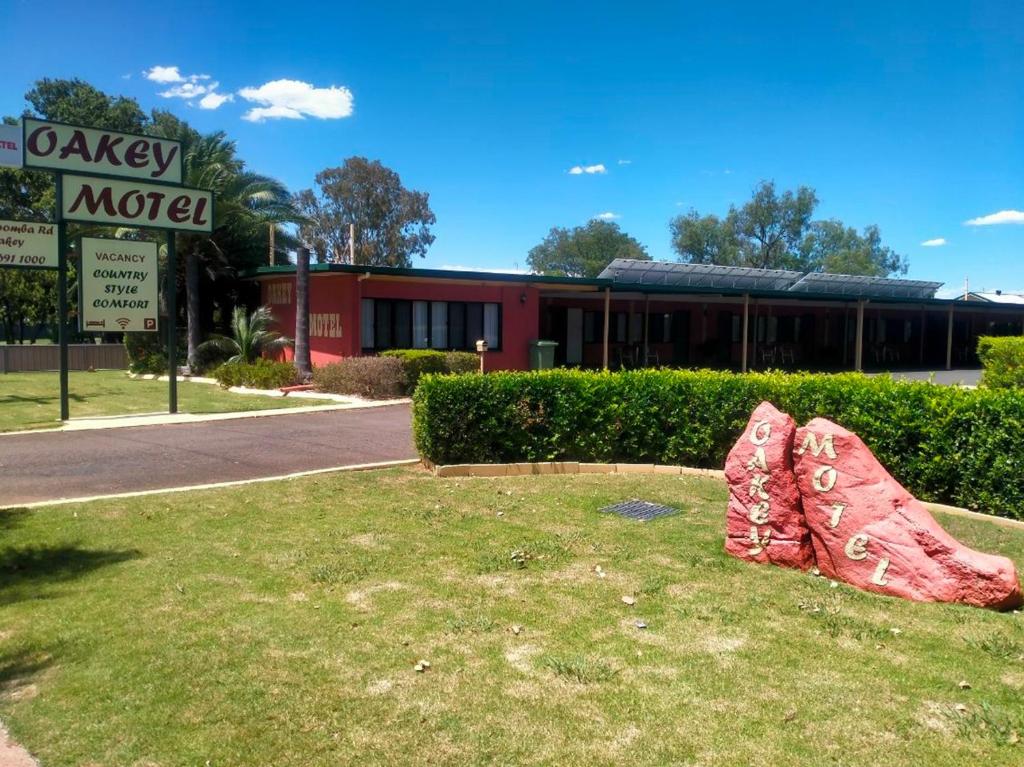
{"type": "Point", "coordinates": [909, 115]}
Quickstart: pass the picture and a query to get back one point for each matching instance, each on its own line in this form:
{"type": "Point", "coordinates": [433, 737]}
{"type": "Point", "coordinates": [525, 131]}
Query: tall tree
{"type": "Point", "coordinates": [776, 231]}
{"type": "Point", "coordinates": [583, 251]}
{"type": "Point", "coordinates": [392, 223]}
{"type": "Point", "coordinates": [772, 225]}
{"type": "Point", "coordinates": [831, 246]}
{"type": "Point", "coordinates": [706, 239]}
{"type": "Point", "coordinates": [302, 362]}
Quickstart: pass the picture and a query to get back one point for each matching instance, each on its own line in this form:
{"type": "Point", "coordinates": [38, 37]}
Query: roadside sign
{"type": "Point", "coordinates": [28, 245]}
{"type": "Point", "coordinates": [119, 286]}
{"type": "Point", "coordinates": [10, 146]}
{"type": "Point", "coordinates": [76, 149]}
{"type": "Point", "coordinates": [92, 200]}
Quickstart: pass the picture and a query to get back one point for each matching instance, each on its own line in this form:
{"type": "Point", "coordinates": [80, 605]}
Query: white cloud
{"type": "Point", "coordinates": [188, 91]}
{"type": "Point", "coordinates": [578, 170]}
{"type": "Point", "coordinates": [624, 162]}
{"type": "Point", "coordinates": [1002, 217]}
{"type": "Point", "coordinates": [213, 100]}
{"type": "Point", "coordinates": [163, 75]}
{"type": "Point", "coordinates": [934, 243]}
{"type": "Point", "coordinates": [607, 216]}
{"type": "Point", "coordinates": [294, 99]}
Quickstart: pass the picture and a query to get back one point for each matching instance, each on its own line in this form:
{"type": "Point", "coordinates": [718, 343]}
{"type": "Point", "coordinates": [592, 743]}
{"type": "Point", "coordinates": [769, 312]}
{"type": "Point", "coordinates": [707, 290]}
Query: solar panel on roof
{"type": "Point", "coordinates": [698, 275]}
{"type": "Point", "coordinates": [708, 276]}
{"type": "Point", "coordinates": [868, 287]}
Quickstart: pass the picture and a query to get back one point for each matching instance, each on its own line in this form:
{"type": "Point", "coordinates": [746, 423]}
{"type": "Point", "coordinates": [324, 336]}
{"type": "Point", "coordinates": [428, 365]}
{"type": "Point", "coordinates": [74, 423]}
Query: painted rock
{"type": "Point", "coordinates": [764, 521]}
{"type": "Point", "coordinates": [868, 531]}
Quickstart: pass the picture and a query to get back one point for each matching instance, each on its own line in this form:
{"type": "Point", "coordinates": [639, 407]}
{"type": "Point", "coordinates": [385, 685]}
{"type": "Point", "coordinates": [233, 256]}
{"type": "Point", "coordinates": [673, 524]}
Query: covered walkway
{"type": "Point", "coordinates": [652, 314]}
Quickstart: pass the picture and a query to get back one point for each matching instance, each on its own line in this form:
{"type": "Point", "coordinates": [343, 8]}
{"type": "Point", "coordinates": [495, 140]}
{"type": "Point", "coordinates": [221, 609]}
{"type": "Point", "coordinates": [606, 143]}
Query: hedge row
{"type": "Point", "coordinates": [394, 373]}
{"type": "Point", "coordinates": [943, 443]}
{"type": "Point", "coordinates": [1003, 360]}
{"type": "Point", "coordinates": [261, 374]}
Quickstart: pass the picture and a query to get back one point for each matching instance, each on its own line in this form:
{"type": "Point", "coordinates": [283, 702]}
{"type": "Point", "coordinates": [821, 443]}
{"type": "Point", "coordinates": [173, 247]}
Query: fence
{"type": "Point", "coordinates": [19, 358]}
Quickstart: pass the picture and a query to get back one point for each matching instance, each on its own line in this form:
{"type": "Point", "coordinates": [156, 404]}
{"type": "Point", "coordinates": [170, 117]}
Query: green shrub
{"type": "Point", "coordinates": [147, 352]}
{"type": "Point", "coordinates": [261, 374]}
{"type": "Point", "coordinates": [943, 443]}
{"type": "Point", "coordinates": [1003, 360]}
{"type": "Point", "coordinates": [461, 362]}
{"type": "Point", "coordinates": [416, 363]}
{"type": "Point", "coordinates": [370, 377]}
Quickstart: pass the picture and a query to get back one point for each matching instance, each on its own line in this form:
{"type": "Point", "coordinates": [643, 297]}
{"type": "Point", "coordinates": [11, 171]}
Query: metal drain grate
{"type": "Point", "coordinates": [641, 510]}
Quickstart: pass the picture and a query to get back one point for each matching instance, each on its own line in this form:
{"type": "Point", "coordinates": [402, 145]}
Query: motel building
{"type": "Point", "coordinates": [644, 314]}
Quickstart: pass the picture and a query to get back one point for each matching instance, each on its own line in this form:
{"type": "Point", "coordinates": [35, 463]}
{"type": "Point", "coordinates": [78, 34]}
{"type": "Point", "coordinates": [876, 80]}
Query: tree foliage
{"type": "Point", "coordinates": [776, 230]}
{"type": "Point", "coordinates": [392, 223]}
{"type": "Point", "coordinates": [583, 251]}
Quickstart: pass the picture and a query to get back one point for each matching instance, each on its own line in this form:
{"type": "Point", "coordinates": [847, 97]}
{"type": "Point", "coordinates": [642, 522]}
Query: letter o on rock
{"type": "Point", "coordinates": [824, 478]}
{"type": "Point", "coordinates": [761, 432]}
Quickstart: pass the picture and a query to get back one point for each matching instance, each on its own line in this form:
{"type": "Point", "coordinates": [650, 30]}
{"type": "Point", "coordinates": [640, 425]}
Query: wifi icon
{"type": "Point", "coordinates": [123, 322]}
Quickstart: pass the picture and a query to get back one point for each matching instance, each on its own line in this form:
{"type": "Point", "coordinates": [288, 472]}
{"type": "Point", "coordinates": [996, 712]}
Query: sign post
{"type": "Point", "coordinates": [172, 324]}
{"type": "Point", "coordinates": [62, 301]}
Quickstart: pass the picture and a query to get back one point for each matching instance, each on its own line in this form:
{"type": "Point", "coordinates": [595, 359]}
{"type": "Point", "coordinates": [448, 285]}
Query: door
{"type": "Point", "coordinates": [680, 338]}
{"type": "Point", "coordinates": [574, 337]}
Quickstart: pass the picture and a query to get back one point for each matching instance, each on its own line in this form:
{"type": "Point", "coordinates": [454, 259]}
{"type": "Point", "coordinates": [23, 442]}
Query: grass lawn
{"type": "Point", "coordinates": [32, 400]}
{"type": "Point", "coordinates": [280, 624]}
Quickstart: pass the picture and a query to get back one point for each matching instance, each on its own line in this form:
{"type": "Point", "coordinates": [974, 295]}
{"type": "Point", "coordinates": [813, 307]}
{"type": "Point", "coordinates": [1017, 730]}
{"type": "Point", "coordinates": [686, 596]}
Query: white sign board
{"type": "Point", "coordinates": [133, 203]}
{"type": "Point", "coordinates": [27, 244]}
{"type": "Point", "coordinates": [77, 149]}
{"type": "Point", "coordinates": [119, 287]}
{"type": "Point", "coordinates": [10, 146]}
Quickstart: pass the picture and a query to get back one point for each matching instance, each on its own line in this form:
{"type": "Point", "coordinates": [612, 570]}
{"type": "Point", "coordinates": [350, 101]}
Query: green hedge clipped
{"type": "Point", "coordinates": [943, 443]}
{"type": "Point", "coordinates": [261, 374]}
{"type": "Point", "coordinates": [418, 362]}
{"type": "Point", "coordinates": [1003, 360]}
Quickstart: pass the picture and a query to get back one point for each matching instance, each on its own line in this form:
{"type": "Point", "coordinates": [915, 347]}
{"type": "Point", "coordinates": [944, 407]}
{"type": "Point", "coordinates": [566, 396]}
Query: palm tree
{"type": "Point", "coordinates": [245, 205]}
{"type": "Point", "coordinates": [251, 336]}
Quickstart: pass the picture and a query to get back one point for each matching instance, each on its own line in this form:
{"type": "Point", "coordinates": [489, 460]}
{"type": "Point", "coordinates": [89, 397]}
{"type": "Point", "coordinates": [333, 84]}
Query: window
{"type": "Point", "coordinates": [457, 325]}
{"type": "Point", "coordinates": [420, 322]}
{"type": "Point", "coordinates": [491, 322]}
{"type": "Point", "coordinates": [621, 319]}
{"type": "Point", "coordinates": [382, 318]}
{"type": "Point", "coordinates": [474, 324]}
{"type": "Point", "coordinates": [660, 329]}
{"type": "Point", "coordinates": [439, 325]}
{"type": "Point", "coordinates": [737, 329]}
{"type": "Point", "coordinates": [393, 324]}
{"type": "Point", "coordinates": [366, 324]}
{"type": "Point", "coordinates": [590, 324]}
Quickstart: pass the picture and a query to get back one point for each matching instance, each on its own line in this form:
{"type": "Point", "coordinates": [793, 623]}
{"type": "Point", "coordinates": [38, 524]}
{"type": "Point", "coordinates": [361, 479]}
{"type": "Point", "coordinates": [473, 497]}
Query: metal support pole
{"type": "Point", "coordinates": [746, 325]}
{"type": "Point", "coordinates": [858, 347]}
{"type": "Point", "coordinates": [172, 325]}
{"type": "Point", "coordinates": [949, 340]}
{"type": "Point", "coordinates": [607, 314]}
{"type": "Point", "coordinates": [62, 297]}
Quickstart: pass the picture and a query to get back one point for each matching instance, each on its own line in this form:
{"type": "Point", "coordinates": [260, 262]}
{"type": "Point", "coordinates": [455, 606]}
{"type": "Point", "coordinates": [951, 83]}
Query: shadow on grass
{"type": "Point", "coordinates": [42, 399]}
{"type": "Point", "coordinates": [25, 572]}
{"type": "Point", "coordinates": [19, 667]}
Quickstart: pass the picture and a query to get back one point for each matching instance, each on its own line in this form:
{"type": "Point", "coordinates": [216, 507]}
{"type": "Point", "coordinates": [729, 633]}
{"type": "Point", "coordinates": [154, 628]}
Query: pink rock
{"type": "Point", "coordinates": [871, 533]}
{"type": "Point", "coordinates": [764, 521]}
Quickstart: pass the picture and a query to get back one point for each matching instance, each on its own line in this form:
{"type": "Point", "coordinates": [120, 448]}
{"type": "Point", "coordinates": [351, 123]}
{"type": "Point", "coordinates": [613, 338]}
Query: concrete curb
{"type": "Point", "coordinates": [166, 419]}
{"type": "Point", "coordinates": [574, 467]}
{"type": "Point", "coordinates": [212, 486]}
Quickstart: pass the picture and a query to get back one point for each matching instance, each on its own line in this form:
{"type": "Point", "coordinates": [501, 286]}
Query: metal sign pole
{"type": "Point", "coordinates": [172, 324]}
{"type": "Point", "coordinates": [62, 297]}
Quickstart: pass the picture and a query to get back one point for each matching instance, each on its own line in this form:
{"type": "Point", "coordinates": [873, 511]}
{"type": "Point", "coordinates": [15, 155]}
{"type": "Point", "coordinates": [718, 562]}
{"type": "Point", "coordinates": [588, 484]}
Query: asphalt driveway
{"type": "Point", "coordinates": [49, 466]}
